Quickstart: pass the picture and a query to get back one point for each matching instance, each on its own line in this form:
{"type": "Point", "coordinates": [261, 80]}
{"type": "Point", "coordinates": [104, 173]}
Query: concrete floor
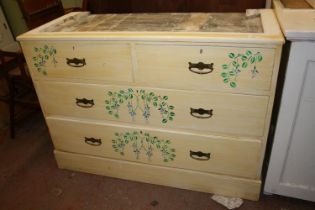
{"type": "Point", "coordinates": [30, 180]}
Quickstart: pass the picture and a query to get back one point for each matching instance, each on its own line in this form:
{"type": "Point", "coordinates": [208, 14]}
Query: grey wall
{"type": "Point", "coordinates": [15, 17]}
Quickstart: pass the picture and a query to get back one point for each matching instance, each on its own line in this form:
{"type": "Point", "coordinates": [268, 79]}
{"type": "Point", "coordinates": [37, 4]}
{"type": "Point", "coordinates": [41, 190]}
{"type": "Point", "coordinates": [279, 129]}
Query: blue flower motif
{"type": "Point", "coordinates": [132, 113]}
{"type": "Point", "coordinates": [146, 114]}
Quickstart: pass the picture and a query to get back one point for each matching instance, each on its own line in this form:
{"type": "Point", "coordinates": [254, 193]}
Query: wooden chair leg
{"type": "Point", "coordinates": [20, 86]}
{"type": "Point", "coordinates": [12, 107]}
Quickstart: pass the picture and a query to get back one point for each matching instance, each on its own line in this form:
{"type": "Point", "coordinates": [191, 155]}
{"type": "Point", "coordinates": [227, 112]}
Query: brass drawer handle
{"type": "Point", "coordinates": [200, 67]}
{"type": "Point", "coordinates": [84, 103]}
{"type": "Point", "coordinates": [199, 155]}
{"type": "Point", "coordinates": [76, 62]}
{"type": "Point", "coordinates": [201, 113]}
{"type": "Point", "coordinates": [92, 141]}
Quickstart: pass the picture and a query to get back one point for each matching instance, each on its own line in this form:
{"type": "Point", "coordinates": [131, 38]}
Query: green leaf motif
{"type": "Point", "coordinates": [248, 53]}
{"type": "Point", "coordinates": [244, 58]}
{"type": "Point", "coordinates": [143, 143]}
{"type": "Point", "coordinates": [233, 84]}
{"type": "Point", "coordinates": [232, 73]}
{"type": "Point", "coordinates": [139, 102]}
{"type": "Point", "coordinates": [240, 62]}
{"type": "Point", "coordinates": [42, 56]}
{"type": "Point", "coordinates": [235, 63]}
{"type": "Point", "coordinates": [259, 58]}
{"type": "Point", "coordinates": [231, 55]}
{"type": "Point", "coordinates": [225, 66]}
{"type": "Point", "coordinates": [224, 74]}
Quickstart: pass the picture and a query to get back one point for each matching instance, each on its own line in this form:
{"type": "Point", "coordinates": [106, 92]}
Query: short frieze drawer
{"type": "Point", "coordinates": [227, 114]}
{"type": "Point", "coordinates": [79, 60]}
{"type": "Point", "coordinates": [226, 68]}
{"type": "Point", "coordinates": [171, 149]}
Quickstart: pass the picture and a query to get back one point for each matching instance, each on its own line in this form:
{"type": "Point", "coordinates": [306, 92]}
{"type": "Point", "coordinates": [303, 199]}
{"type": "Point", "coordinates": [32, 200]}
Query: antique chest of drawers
{"type": "Point", "coordinates": [181, 100]}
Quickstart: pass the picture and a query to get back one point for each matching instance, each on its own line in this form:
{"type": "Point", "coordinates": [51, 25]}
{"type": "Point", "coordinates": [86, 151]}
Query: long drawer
{"type": "Point", "coordinates": [237, 69]}
{"type": "Point", "coordinates": [151, 146]}
{"type": "Point", "coordinates": [79, 59]}
{"type": "Point", "coordinates": [228, 114]}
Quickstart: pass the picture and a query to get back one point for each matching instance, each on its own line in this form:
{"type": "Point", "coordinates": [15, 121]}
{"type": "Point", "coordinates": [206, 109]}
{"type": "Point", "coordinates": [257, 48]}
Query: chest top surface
{"type": "Point", "coordinates": [253, 26]}
{"type": "Point", "coordinates": [170, 22]}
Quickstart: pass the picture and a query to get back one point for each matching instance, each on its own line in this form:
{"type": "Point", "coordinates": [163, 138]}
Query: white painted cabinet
{"type": "Point", "coordinates": [291, 169]}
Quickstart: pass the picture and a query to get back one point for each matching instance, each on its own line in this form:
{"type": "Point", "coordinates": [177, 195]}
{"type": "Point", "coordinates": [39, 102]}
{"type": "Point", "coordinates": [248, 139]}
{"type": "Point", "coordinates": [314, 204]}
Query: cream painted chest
{"type": "Point", "coordinates": [181, 100]}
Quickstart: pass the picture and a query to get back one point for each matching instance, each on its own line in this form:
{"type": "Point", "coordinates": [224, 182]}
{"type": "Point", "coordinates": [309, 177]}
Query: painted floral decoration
{"type": "Point", "coordinates": [139, 101]}
{"type": "Point", "coordinates": [240, 62]}
{"type": "Point", "coordinates": [43, 55]}
{"type": "Point", "coordinates": [143, 143]}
